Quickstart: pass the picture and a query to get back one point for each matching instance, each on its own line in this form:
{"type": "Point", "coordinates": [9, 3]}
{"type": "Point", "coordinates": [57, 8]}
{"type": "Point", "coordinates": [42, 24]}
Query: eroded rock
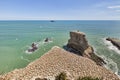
{"type": "Point", "coordinates": [79, 45]}
{"type": "Point", "coordinates": [78, 42]}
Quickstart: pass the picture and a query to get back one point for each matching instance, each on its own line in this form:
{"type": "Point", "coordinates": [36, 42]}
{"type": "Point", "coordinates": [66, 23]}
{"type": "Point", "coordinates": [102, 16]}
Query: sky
{"type": "Point", "coordinates": [59, 9]}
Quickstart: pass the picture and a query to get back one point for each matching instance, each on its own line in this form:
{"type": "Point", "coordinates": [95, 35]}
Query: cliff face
{"type": "Point", "coordinates": [79, 44]}
{"type": "Point", "coordinates": [58, 60]}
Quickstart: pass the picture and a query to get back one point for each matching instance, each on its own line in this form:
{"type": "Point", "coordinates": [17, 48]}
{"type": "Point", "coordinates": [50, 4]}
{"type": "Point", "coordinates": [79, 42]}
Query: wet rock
{"type": "Point", "coordinates": [114, 41]}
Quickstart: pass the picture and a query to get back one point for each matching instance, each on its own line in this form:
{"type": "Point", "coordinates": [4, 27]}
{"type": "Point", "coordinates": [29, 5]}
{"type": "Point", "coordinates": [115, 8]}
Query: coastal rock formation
{"type": "Point", "coordinates": [115, 42]}
{"type": "Point", "coordinates": [79, 45]}
{"type": "Point", "coordinates": [58, 60]}
{"type": "Point", "coordinates": [78, 42]}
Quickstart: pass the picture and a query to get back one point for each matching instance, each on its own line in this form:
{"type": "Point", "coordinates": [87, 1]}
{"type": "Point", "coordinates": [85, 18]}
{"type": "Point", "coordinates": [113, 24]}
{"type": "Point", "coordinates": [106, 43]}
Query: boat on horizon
{"type": "Point", "coordinates": [52, 21]}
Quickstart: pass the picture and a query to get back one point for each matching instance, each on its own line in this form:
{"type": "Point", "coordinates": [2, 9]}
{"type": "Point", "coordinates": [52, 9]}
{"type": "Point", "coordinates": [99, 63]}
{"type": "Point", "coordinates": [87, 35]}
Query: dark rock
{"type": "Point", "coordinates": [41, 79]}
{"type": "Point", "coordinates": [114, 41]}
{"type": "Point", "coordinates": [46, 40]}
{"type": "Point", "coordinates": [78, 42]}
{"type": "Point", "coordinates": [33, 48]}
{"type": "Point", "coordinates": [79, 45]}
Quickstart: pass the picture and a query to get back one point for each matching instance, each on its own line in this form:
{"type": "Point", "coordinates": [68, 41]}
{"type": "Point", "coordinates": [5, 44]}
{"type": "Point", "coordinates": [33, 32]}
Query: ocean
{"type": "Point", "coordinates": [17, 36]}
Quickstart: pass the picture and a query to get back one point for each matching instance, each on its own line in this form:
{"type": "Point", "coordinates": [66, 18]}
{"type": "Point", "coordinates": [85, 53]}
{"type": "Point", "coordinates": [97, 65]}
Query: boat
{"type": "Point", "coordinates": [52, 21]}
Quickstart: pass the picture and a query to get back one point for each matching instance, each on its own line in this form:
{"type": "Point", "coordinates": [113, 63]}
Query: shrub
{"type": "Point", "coordinates": [61, 76]}
{"type": "Point", "coordinates": [88, 78]}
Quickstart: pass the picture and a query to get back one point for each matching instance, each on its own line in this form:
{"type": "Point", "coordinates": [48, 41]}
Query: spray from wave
{"type": "Point", "coordinates": [38, 44]}
{"type": "Point", "coordinates": [111, 65]}
{"type": "Point", "coordinates": [111, 46]}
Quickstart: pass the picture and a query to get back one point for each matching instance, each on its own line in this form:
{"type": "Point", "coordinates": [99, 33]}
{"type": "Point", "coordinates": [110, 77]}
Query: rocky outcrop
{"type": "Point", "coordinates": [79, 45]}
{"type": "Point", "coordinates": [56, 61]}
{"type": "Point", "coordinates": [78, 42]}
{"type": "Point", "coordinates": [114, 41]}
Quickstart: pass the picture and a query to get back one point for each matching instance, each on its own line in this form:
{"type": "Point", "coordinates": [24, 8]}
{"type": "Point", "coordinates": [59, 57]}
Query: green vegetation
{"type": "Point", "coordinates": [61, 76]}
{"type": "Point", "coordinates": [88, 78]}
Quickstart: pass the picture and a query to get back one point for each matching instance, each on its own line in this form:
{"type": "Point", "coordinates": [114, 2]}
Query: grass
{"type": "Point", "coordinates": [61, 76]}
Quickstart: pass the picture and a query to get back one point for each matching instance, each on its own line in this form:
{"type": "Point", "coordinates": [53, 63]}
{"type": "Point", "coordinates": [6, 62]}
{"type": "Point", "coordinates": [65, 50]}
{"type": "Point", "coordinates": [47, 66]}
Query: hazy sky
{"type": "Point", "coordinates": [60, 9]}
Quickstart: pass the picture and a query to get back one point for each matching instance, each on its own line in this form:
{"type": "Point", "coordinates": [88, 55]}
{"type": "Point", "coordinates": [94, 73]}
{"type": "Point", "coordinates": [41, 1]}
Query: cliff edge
{"type": "Point", "coordinates": [58, 60]}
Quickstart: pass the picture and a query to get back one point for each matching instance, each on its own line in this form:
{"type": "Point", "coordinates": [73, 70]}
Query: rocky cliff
{"type": "Point", "coordinates": [78, 42]}
{"type": "Point", "coordinates": [79, 45]}
{"type": "Point", "coordinates": [58, 60]}
{"type": "Point", "coordinates": [114, 41]}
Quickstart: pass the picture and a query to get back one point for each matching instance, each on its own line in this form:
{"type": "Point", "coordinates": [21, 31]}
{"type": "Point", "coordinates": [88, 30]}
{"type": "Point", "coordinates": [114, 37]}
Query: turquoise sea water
{"type": "Point", "coordinates": [17, 36]}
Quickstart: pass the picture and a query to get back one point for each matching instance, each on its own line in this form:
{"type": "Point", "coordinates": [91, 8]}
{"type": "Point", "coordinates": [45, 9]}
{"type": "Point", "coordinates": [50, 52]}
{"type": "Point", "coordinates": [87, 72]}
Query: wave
{"type": "Point", "coordinates": [50, 40]}
{"type": "Point", "coordinates": [27, 52]}
{"type": "Point", "coordinates": [47, 42]}
{"type": "Point", "coordinates": [29, 47]}
{"type": "Point", "coordinates": [16, 39]}
{"type": "Point", "coordinates": [38, 44]}
{"type": "Point", "coordinates": [111, 46]}
{"type": "Point", "coordinates": [111, 65]}
{"type": "Point", "coordinates": [25, 59]}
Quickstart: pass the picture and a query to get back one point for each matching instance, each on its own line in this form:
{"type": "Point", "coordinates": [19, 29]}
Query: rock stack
{"type": "Point", "coordinates": [78, 42]}
{"type": "Point", "coordinates": [79, 45]}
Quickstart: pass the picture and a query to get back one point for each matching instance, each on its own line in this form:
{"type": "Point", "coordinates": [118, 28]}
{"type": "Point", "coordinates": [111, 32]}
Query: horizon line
{"type": "Point", "coordinates": [59, 20]}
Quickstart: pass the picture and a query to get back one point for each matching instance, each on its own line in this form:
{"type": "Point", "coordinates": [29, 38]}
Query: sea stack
{"type": "Point", "coordinates": [79, 45]}
{"type": "Point", "coordinates": [78, 42]}
{"type": "Point", "coordinates": [114, 41]}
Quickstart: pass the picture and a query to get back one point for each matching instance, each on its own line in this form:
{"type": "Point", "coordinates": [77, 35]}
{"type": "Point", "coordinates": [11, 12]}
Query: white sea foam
{"type": "Point", "coordinates": [16, 39]}
{"type": "Point", "coordinates": [111, 65]}
{"type": "Point", "coordinates": [25, 59]}
{"type": "Point", "coordinates": [111, 46]}
{"type": "Point", "coordinates": [37, 45]}
{"type": "Point", "coordinates": [27, 52]}
{"type": "Point", "coordinates": [47, 42]}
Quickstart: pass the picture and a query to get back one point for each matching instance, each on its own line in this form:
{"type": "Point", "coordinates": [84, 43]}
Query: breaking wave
{"type": "Point", "coordinates": [38, 44]}
{"type": "Point", "coordinates": [111, 46]}
{"type": "Point", "coordinates": [111, 65]}
{"type": "Point", "coordinates": [25, 59]}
